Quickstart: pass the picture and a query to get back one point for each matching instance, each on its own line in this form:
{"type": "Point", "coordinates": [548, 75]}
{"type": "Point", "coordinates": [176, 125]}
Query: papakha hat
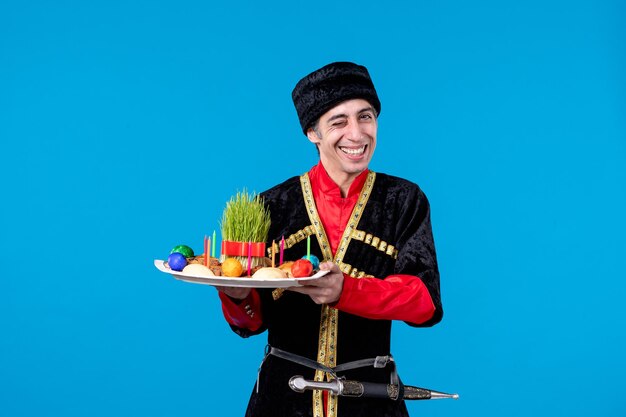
{"type": "Point", "coordinates": [328, 86]}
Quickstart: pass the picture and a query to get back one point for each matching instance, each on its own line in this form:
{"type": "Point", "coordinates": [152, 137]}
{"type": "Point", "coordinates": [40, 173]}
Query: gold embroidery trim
{"type": "Point", "coordinates": [327, 342]}
{"type": "Point", "coordinates": [292, 239]}
{"type": "Point", "coordinates": [299, 236]}
{"type": "Point", "coordinates": [328, 320]}
{"type": "Point", "coordinates": [375, 242]}
{"type": "Point", "coordinates": [352, 271]}
{"type": "Point", "coordinates": [357, 212]}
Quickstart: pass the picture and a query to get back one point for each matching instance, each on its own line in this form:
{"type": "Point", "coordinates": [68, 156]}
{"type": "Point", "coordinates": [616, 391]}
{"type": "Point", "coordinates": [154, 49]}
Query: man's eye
{"type": "Point", "coordinates": [366, 116]}
{"type": "Point", "coordinates": [339, 123]}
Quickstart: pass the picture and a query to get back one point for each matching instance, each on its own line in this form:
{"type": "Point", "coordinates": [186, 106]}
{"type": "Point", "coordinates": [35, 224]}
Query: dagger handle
{"type": "Point", "coordinates": [299, 384]}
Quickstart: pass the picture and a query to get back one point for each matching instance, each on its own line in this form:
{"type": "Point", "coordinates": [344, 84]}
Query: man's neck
{"type": "Point", "coordinates": [344, 185]}
{"type": "Point", "coordinates": [343, 180]}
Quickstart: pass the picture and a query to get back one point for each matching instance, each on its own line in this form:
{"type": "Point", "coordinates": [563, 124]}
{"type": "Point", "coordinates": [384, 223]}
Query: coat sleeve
{"type": "Point", "coordinates": [416, 255]}
{"type": "Point", "coordinates": [411, 293]}
{"type": "Point", "coordinates": [245, 317]}
{"type": "Point", "coordinates": [397, 297]}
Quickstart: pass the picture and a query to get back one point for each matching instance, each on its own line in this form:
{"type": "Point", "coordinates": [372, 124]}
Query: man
{"type": "Point", "coordinates": [373, 233]}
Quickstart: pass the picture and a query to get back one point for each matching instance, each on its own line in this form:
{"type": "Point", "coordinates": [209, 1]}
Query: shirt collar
{"type": "Point", "coordinates": [320, 178]}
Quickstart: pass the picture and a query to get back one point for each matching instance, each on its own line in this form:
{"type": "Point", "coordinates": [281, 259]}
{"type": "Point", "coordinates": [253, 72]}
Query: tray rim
{"type": "Point", "coordinates": [246, 282]}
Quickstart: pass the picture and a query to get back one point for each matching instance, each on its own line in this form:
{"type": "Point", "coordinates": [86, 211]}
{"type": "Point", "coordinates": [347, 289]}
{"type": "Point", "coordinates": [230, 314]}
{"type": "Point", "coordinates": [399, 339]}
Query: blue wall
{"type": "Point", "coordinates": [125, 126]}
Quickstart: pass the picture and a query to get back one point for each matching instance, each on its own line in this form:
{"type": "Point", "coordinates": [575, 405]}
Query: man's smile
{"type": "Point", "coordinates": [352, 150]}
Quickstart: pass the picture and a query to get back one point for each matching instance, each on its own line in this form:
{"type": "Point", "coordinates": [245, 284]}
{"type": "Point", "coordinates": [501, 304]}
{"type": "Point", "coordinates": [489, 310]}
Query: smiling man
{"type": "Point", "coordinates": [373, 233]}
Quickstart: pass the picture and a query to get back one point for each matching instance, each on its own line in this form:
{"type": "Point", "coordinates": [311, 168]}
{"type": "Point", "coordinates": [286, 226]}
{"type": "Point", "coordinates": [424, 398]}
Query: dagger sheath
{"type": "Point", "coordinates": [347, 388]}
{"type": "Point", "coordinates": [364, 389]}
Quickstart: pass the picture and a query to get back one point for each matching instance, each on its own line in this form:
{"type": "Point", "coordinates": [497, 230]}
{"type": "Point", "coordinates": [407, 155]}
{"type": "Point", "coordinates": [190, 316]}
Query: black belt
{"type": "Point", "coordinates": [377, 362]}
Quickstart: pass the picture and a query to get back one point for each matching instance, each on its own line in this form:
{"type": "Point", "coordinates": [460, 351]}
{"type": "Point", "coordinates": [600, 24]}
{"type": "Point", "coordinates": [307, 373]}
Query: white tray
{"type": "Point", "coordinates": [238, 282]}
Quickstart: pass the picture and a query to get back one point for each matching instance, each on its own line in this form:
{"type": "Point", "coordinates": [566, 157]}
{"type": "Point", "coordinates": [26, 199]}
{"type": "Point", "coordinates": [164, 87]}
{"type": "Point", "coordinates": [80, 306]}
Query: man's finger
{"type": "Point", "coordinates": [305, 289]}
{"type": "Point", "coordinates": [318, 282]}
{"type": "Point", "coordinates": [328, 266]}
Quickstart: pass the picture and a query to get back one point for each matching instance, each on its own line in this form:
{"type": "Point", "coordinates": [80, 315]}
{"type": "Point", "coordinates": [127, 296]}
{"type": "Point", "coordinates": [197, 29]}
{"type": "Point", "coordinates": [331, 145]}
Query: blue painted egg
{"type": "Point", "coordinates": [314, 261]}
{"type": "Point", "coordinates": [176, 261]}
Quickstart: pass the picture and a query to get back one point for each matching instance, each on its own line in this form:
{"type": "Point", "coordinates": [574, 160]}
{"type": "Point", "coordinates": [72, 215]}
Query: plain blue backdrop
{"type": "Point", "coordinates": [126, 126]}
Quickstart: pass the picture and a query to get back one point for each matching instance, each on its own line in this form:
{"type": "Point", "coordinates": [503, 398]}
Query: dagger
{"type": "Point", "coordinates": [347, 388]}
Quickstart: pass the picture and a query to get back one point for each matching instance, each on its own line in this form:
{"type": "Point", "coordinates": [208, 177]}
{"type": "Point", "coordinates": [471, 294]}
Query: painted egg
{"type": "Point", "coordinates": [313, 259]}
{"type": "Point", "coordinates": [177, 261]}
{"type": "Point", "coordinates": [301, 268]}
{"type": "Point", "coordinates": [184, 250]}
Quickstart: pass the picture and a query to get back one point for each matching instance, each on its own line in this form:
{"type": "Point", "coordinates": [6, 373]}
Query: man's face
{"type": "Point", "coordinates": [346, 138]}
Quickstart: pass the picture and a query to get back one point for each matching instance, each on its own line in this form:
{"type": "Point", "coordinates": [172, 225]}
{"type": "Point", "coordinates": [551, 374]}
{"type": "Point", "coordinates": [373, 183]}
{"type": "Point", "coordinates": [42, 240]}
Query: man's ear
{"type": "Point", "coordinates": [312, 135]}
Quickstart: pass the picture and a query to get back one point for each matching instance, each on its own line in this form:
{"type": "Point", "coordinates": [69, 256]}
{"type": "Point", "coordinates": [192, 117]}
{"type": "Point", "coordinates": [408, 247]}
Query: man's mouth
{"type": "Point", "coordinates": [353, 151]}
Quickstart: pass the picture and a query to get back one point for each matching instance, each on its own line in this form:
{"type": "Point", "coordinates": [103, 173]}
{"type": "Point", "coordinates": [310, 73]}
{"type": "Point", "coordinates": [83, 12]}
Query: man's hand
{"type": "Point", "coordinates": [324, 290]}
{"type": "Point", "coordinates": [238, 293]}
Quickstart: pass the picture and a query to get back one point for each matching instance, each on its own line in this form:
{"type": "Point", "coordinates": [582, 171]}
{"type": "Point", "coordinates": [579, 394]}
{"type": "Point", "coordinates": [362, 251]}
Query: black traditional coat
{"type": "Point", "coordinates": [389, 232]}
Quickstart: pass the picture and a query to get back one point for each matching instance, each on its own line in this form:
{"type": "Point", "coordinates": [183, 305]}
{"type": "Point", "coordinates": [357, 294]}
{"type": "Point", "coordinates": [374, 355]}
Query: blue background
{"type": "Point", "coordinates": [126, 126]}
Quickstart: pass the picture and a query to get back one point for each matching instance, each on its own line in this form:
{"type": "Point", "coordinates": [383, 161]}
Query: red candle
{"type": "Point", "coordinates": [282, 249]}
{"type": "Point", "coordinates": [206, 253]}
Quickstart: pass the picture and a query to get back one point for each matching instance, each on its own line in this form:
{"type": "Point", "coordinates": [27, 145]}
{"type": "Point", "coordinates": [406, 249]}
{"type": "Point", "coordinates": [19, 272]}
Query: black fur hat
{"type": "Point", "coordinates": [323, 89]}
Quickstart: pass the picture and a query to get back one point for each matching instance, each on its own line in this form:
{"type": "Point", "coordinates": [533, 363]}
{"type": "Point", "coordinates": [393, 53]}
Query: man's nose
{"type": "Point", "coordinates": [354, 130]}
